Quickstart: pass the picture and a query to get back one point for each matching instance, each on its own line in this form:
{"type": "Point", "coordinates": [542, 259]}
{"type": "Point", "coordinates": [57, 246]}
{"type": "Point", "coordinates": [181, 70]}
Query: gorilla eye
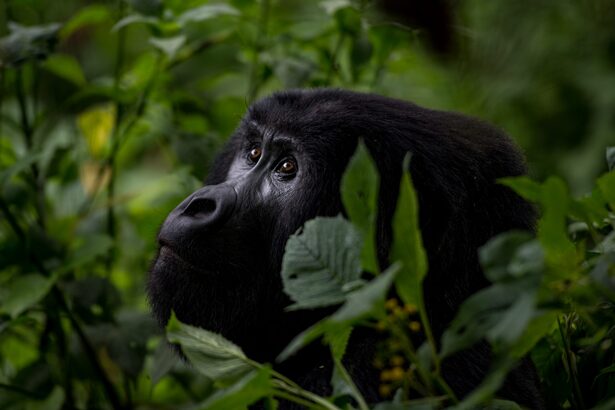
{"type": "Point", "coordinates": [287, 167]}
{"type": "Point", "coordinates": [255, 154]}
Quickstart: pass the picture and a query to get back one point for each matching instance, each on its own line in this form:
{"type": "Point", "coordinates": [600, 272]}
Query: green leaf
{"type": "Point", "coordinates": [164, 358]}
{"type": "Point", "coordinates": [367, 302]}
{"type": "Point", "coordinates": [610, 158]}
{"type": "Point", "coordinates": [408, 243]}
{"type": "Point", "coordinates": [555, 202]}
{"type": "Point", "coordinates": [541, 324]}
{"type": "Point", "coordinates": [65, 66]}
{"type": "Point", "coordinates": [206, 12]}
{"type": "Point", "coordinates": [343, 385]}
{"type": "Point", "coordinates": [606, 184]}
{"type": "Point", "coordinates": [24, 291]}
{"type": "Point", "coordinates": [246, 391]}
{"type": "Point", "coordinates": [27, 43]}
{"type": "Point", "coordinates": [524, 186]}
{"type": "Point", "coordinates": [53, 402]}
{"type": "Point", "coordinates": [135, 19]}
{"type": "Point", "coordinates": [169, 46]}
{"type": "Point", "coordinates": [552, 228]}
{"type": "Point", "coordinates": [209, 353]}
{"type": "Point", "coordinates": [338, 342]}
{"type": "Point", "coordinates": [360, 184]}
{"type": "Point", "coordinates": [510, 255]}
{"type": "Point", "coordinates": [320, 262]}
{"type": "Point", "coordinates": [87, 16]}
{"type": "Point", "coordinates": [21, 165]}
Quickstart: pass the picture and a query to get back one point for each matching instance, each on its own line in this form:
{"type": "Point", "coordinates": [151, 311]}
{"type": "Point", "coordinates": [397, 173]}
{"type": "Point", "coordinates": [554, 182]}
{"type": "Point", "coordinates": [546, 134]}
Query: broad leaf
{"type": "Point", "coordinates": [244, 392]}
{"type": "Point", "coordinates": [360, 195]}
{"type": "Point", "coordinates": [321, 262]}
{"type": "Point", "coordinates": [65, 66]}
{"type": "Point", "coordinates": [24, 291]}
{"type": "Point", "coordinates": [366, 302]}
{"type": "Point", "coordinates": [210, 353]}
{"type": "Point", "coordinates": [408, 243]}
{"type": "Point", "coordinates": [96, 125]}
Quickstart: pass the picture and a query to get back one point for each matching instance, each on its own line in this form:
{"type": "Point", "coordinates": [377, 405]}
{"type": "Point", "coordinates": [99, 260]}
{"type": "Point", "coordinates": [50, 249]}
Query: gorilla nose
{"type": "Point", "coordinates": [204, 210]}
{"type": "Point", "coordinates": [209, 206]}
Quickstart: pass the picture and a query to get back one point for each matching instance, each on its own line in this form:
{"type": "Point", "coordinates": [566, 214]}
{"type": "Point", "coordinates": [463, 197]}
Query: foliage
{"type": "Point", "coordinates": [111, 112]}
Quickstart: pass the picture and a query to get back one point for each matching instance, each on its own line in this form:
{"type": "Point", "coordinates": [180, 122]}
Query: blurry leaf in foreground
{"type": "Point", "coordinates": [247, 390]}
{"type": "Point", "coordinates": [27, 43]}
{"type": "Point", "coordinates": [209, 353]}
{"type": "Point", "coordinates": [360, 196]}
{"type": "Point", "coordinates": [321, 262]}
{"type": "Point", "coordinates": [96, 124]}
{"type": "Point", "coordinates": [24, 291]}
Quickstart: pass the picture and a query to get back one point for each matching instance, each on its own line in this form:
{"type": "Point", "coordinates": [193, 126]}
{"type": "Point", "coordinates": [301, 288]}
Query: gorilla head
{"type": "Point", "coordinates": [221, 249]}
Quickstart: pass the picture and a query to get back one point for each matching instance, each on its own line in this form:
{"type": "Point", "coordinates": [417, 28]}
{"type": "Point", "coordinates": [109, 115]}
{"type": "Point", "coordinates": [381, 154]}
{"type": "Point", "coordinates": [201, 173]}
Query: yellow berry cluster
{"type": "Point", "coordinates": [394, 369]}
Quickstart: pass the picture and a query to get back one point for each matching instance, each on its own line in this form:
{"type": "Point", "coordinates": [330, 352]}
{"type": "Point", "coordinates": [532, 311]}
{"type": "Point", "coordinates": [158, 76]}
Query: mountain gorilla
{"type": "Point", "coordinates": [221, 249]}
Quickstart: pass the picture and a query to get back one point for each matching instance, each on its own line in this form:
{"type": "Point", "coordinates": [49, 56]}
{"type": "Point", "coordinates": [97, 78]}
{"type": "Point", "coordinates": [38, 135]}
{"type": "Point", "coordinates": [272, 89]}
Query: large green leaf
{"type": "Point", "coordinates": [321, 263]}
{"type": "Point", "coordinates": [366, 302]}
{"type": "Point", "coordinates": [210, 353]}
{"type": "Point", "coordinates": [244, 392]}
{"type": "Point", "coordinates": [24, 291]}
{"type": "Point", "coordinates": [408, 243]}
{"type": "Point", "coordinates": [360, 195]}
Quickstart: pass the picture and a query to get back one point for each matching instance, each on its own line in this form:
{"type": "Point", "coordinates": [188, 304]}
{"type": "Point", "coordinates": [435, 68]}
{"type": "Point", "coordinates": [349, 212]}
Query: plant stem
{"type": "Point", "coordinates": [577, 397]}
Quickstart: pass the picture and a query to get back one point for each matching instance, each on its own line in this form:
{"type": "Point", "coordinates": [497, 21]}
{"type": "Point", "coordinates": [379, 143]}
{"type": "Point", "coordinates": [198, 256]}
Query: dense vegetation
{"type": "Point", "coordinates": [111, 111]}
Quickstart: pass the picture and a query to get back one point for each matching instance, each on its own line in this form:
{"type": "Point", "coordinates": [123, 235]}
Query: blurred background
{"type": "Point", "coordinates": [111, 113]}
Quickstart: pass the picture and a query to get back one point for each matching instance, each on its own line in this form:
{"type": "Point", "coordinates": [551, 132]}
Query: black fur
{"type": "Point", "coordinates": [225, 276]}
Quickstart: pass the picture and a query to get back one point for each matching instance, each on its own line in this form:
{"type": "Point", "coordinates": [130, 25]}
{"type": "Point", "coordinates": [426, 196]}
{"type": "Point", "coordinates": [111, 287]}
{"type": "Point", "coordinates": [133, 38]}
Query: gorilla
{"type": "Point", "coordinates": [219, 259]}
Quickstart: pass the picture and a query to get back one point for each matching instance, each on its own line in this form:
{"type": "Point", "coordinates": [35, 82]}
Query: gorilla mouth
{"type": "Point", "coordinates": [168, 255]}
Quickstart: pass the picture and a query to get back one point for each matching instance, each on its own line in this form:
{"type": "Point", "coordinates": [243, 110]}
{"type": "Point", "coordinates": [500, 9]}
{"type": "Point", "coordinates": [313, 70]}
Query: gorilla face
{"type": "Point", "coordinates": [221, 248]}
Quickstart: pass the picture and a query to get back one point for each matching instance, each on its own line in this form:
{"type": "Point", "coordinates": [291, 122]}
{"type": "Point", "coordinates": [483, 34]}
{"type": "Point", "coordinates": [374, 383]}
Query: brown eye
{"type": "Point", "coordinates": [287, 167]}
{"type": "Point", "coordinates": [254, 154]}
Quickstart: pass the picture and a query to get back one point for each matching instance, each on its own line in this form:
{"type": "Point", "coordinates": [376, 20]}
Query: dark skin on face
{"type": "Point", "coordinates": [221, 249]}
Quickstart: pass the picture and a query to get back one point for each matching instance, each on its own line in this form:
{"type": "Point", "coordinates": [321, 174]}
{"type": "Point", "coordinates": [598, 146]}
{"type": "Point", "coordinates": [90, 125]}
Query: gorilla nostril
{"type": "Point", "coordinates": [200, 208]}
